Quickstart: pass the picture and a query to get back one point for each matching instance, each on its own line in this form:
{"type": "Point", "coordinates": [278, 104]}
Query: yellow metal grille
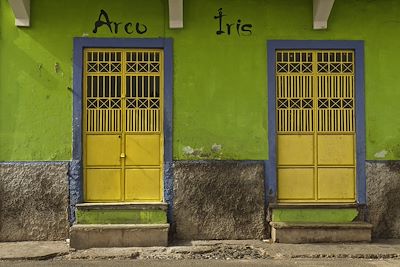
{"type": "Point", "coordinates": [329, 74]}
{"type": "Point", "coordinates": [106, 95]}
{"type": "Point", "coordinates": [123, 119]}
{"type": "Point", "coordinates": [315, 120]}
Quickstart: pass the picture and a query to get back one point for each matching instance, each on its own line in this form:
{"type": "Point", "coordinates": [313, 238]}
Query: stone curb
{"type": "Point", "coordinates": [38, 258]}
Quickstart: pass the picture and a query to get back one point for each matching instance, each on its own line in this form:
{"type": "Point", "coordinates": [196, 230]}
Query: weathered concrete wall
{"type": "Point", "coordinates": [219, 200]}
{"type": "Point", "coordinates": [33, 201]}
{"type": "Point", "coordinates": [383, 190]}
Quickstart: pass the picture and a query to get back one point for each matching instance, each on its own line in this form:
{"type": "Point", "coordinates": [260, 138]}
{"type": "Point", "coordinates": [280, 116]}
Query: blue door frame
{"type": "Point", "coordinates": [270, 164]}
{"type": "Point", "coordinates": [75, 170]}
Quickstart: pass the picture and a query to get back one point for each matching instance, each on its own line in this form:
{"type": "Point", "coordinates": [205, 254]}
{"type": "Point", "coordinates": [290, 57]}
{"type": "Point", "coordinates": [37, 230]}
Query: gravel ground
{"type": "Point", "coordinates": [220, 251]}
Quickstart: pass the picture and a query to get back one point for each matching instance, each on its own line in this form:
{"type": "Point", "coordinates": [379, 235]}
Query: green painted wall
{"type": "Point", "coordinates": [220, 85]}
{"type": "Point", "coordinates": [314, 215]}
{"type": "Point", "coordinates": [118, 216]}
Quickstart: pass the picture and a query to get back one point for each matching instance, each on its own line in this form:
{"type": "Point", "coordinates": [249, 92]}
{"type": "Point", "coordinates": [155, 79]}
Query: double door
{"type": "Point", "coordinates": [123, 125]}
{"type": "Point", "coordinates": [316, 136]}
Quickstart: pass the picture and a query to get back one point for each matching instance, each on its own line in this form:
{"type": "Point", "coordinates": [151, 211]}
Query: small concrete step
{"type": "Point", "coordinates": [295, 233]}
{"type": "Point", "coordinates": [118, 235]}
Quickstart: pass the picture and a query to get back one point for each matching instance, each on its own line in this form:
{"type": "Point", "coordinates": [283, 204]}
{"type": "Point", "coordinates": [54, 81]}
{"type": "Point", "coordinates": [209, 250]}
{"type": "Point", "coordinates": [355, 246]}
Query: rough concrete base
{"type": "Point", "coordinates": [295, 233]}
{"type": "Point", "coordinates": [33, 201]}
{"type": "Point", "coordinates": [219, 200]}
{"type": "Point", "coordinates": [383, 185]}
{"type": "Point", "coordinates": [118, 235]}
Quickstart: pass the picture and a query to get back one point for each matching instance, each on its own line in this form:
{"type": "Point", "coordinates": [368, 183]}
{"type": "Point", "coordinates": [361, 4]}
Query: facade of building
{"type": "Point", "coordinates": [221, 119]}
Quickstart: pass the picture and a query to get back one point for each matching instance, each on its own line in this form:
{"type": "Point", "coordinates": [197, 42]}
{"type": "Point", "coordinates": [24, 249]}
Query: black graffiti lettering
{"type": "Point", "coordinates": [100, 23]}
{"type": "Point", "coordinates": [219, 17]}
{"type": "Point", "coordinates": [238, 26]}
{"type": "Point", "coordinates": [138, 28]}
{"type": "Point", "coordinates": [116, 24]}
{"type": "Point", "coordinates": [127, 27]}
{"type": "Point", "coordinates": [113, 26]}
{"type": "Point", "coordinates": [247, 28]}
{"type": "Point", "coordinates": [226, 28]}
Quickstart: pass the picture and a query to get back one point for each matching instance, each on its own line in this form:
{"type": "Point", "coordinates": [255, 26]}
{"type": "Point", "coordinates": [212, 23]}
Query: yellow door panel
{"type": "Point", "coordinates": [295, 149]}
{"type": "Point", "coordinates": [336, 149]}
{"type": "Point", "coordinates": [103, 150]}
{"type": "Point", "coordinates": [336, 183]}
{"type": "Point", "coordinates": [143, 150]}
{"type": "Point", "coordinates": [295, 183]}
{"type": "Point", "coordinates": [103, 184]}
{"type": "Point", "coordinates": [142, 184]}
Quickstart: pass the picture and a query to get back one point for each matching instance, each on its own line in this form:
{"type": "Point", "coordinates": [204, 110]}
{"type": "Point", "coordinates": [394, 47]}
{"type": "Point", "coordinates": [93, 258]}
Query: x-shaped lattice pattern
{"type": "Point", "coordinates": [323, 103]}
{"type": "Point", "coordinates": [91, 103]}
{"type": "Point", "coordinates": [115, 67]}
{"type": "Point", "coordinates": [294, 67]}
{"type": "Point", "coordinates": [103, 103]}
{"type": "Point", "coordinates": [306, 67]}
{"type": "Point", "coordinates": [104, 67]}
{"type": "Point", "coordinates": [131, 67]}
{"type": "Point", "coordinates": [115, 103]}
{"type": "Point", "coordinates": [282, 67]}
{"type": "Point", "coordinates": [347, 67]}
{"type": "Point", "coordinates": [335, 103]}
{"type": "Point", "coordinates": [143, 67]}
{"type": "Point", "coordinates": [295, 103]}
{"type": "Point", "coordinates": [335, 67]}
{"type": "Point", "coordinates": [347, 103]}
{"type": "Point", "coordinates": [154, 67]}
{"type": "Point", "coordinates": [323, 67]}
{"type": "Point", "coordinates": [283, 103]}
{"type": "Point", "coordinates": [92, 67]}
{"type": "Point", "coordinates": [154, 103]}
{"type": "Point", "coordinates": [307, 103]}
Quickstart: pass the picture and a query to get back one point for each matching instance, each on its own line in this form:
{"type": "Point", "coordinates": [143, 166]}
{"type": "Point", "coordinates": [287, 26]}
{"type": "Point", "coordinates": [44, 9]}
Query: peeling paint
{"type": "Point", "coordinates": [216, 148]}
{"type": "Point", "coordinates": [214, 152]}
{"type": "Point", "coordinates": [187, 150]}
{"type": "Point", "coordinates": [57, 67]}
{"type": "Point", "coordinates": [381, 154]}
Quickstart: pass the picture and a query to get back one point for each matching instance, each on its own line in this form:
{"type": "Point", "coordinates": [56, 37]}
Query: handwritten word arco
{"type": "Point", "coordinates": [114, 27]}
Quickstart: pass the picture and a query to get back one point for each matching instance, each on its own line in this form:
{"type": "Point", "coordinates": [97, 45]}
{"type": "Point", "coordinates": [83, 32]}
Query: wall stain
{"type": "Point", "coordinates": [214, 152]}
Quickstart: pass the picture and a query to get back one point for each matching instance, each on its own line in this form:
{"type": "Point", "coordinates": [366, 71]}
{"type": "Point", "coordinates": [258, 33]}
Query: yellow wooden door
{"type": "Point", "coordinates": [123, 125]}
{"type": "Point", "coordinates": [315, 126]}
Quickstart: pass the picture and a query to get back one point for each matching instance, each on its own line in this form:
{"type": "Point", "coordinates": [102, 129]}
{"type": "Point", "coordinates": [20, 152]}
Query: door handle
{"type": "Point", "coordinates": [122, 155]}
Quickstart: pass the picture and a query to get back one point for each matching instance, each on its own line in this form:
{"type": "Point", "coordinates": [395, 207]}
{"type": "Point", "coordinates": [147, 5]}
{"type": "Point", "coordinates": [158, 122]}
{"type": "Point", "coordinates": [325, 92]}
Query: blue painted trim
{"type": "Point", "coordinates": [361, 181]}
{"type": "Point", "coordinates": [76, 179]}
{"type": "Point", "coordinates": [358, 47]}
{"type": "Point", "coordinates": [271, 175]}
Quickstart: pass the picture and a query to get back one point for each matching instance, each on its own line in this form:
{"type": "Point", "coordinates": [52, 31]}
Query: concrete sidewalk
{"type": "Point", "coordinates": [221, 249]}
